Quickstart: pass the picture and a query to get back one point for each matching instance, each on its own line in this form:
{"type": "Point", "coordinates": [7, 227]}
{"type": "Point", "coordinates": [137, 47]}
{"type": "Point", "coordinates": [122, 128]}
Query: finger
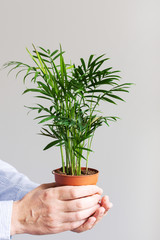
{"type": "Point", "coordinates": [69, 226]}
{"type": "Point", "coordinates": [80, 215]}
{"type": "Point", "coordinates": [106, 204]}
{"type": "Point", "coordinates": [99, 214]}
{"type": "Point", "coordinates": [74, 192]}
{"type": "Point", "coordinates": [87, 225]}
{"type": "Point", "coordinates": [80, 204]}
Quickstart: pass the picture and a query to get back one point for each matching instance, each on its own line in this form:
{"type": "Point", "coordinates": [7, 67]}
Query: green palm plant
{"type": "Point", "coordinates": [71, 96]}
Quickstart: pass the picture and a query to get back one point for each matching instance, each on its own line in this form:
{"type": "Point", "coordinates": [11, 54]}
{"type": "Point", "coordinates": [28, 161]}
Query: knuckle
{"type": "Point", "coordinates": [95, 200]}
{"type": "Point", "coordinates": [47, 194]}
{"type": "Point", "coordinates": [79, 204]}
{"type": "Point", "coordinates": [78, 216]}
{"type": "Point", "coordinates": [97, 197]}
{"type": "Point", "coordinates": [73, 225]}
{"type": "Point", "coordinates": [73, 193]}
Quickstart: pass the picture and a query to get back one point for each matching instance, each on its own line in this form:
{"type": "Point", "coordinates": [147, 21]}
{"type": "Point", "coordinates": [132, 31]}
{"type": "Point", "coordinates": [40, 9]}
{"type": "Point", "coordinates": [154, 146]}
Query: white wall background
{"type": "Point", "coordinates": [127, 154]}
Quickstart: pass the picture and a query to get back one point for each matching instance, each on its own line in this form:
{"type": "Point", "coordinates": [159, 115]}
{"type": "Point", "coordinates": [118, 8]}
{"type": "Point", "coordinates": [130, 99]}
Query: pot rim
{"type": "Point", "coordinates": [74, 176]}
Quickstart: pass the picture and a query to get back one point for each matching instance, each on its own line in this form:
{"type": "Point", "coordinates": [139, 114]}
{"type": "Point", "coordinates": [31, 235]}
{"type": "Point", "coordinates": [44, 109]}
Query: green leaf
{"type": "Point", "coordinates": [90, 59]}
{"type": "Point", "coordinates": [124, 85]}
{"type": "Point", "coordinates": [40, 53]}
{"type": "Point", "coordinates": [87, 149]}
{"type": "Point", "coordinates": [27, 74]}
{"type": "Point", "coordinates": [34, 59]}
{"type": "Point", "coordinates": [79, 154]}
{"type": "Point", "coordinates": [47, 119]}
{"type": "Point", "coordinates": [115, 96]}
{"type": "Point", "coordinates": [84, 137]}
{"type": "Point", "coordinates": [83, 64]}
{"type": "Point", "coordinates": [119, 90]}
{"type": "Point", "coordinates": [108, 100]}
{"type": "Point", "coordinates": [45, 87]}
{"type": "Point", "coordinates": [58, 55]}
{"type": "Point", "coordinates": [96, 59]}
{"type": "Point", "coordinates": [53, 53]}
{"type": "Point", "coordinates": [56, 134]}
{"type": "Point", "coordinates": [35, 90]}
{"type": "Point", "coordinates": [41, 117]}
{"type": "Point", "coordinates": [43, 49]}
{"type": "Point", "coordinates": [97, 91]}
{"type": "Point", "coordinates": [103, 82]}
{"type": "Point", "coordinates": [45, 60]}
{"type": "Point", "coordinates": [32, 90]}
{"type": "Point", "coordinates": [47, 98]}
{"type": "Point", "coordinates": [101, 98]}
{"type": "Point", "coordinates": [20, 72]}
{"type": "Point", "coordinates": [51, 144]}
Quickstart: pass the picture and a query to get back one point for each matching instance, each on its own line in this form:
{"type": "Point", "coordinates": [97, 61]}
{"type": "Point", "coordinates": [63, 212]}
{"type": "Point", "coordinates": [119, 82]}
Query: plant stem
{"type": "Point", "coordinates": [89, 144]}
{"type": "Point", "coordinates": [70, 152]}
{"type": "Point", "coordinates": [67, 159]}
{"type": "Point", "coordinates": [63, 164]}
{"type": "Point", "coordinates": [88, 152]}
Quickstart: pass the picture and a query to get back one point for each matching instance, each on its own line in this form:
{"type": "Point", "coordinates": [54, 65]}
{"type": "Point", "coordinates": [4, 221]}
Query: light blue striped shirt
{"type": "Point", "coordinates": [13, 186]}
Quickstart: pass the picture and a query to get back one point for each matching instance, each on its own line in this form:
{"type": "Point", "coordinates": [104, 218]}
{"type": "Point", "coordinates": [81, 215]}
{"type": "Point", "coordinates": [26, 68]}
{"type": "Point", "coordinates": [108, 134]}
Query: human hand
{"type": "Point", "coordinates": [49, 209]}
{"type": "Point", "coordinates": [105, 205]}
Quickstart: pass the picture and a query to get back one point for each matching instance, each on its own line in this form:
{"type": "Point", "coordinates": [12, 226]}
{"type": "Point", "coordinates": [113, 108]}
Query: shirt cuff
{"type": "Point", "coordinates": [5, 219]}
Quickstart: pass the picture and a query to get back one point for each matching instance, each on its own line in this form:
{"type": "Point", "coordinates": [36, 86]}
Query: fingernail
{"type": "Point", "coordinates": [102, 212]}
{"type": "Point", "coordinates": [110, 205]}
{"type": "Point", "coordinates": [92, 220]}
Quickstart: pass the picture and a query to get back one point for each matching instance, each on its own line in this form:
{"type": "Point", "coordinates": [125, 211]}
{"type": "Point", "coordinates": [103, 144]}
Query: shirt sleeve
{"type": "Point", "coordinates": [13, 186]}
{"type": "Point", "coordinates": [5, 219]}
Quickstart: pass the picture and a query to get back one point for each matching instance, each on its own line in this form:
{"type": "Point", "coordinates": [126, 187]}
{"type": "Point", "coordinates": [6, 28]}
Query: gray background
{"type": "Point", "coordinates": [127, 153]}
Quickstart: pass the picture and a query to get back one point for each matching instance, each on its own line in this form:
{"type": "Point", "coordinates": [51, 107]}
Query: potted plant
{"type": "Point", "coordinates": [69, 113]}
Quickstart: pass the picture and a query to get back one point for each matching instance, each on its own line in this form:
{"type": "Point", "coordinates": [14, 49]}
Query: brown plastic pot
{"type": "Point", "coordinates": [68, 180]}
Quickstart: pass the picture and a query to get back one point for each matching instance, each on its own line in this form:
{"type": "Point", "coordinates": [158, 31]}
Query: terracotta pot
{"type": "Point", "coordinates": [63, 180]}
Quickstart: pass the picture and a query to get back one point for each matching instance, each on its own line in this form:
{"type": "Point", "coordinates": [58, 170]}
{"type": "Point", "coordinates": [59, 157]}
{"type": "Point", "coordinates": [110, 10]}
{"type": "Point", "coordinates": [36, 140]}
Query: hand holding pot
{"type": "Point", "coordinates": [49, 209]}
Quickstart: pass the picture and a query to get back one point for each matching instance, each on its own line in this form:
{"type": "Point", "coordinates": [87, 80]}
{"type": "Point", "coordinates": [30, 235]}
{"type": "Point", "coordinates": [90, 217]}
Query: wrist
{"type": "Point", "coordinates": [16, 219]}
